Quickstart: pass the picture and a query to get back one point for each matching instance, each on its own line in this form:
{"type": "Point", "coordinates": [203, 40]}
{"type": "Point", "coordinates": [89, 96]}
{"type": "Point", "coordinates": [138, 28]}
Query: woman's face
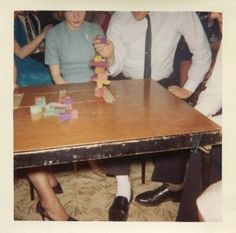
{"type": "Point", "coordinates": [74, 19]}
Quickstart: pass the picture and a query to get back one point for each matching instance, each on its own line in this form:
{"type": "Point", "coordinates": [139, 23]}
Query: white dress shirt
{"type": "Point", "coordinates": [128, 37]}
{"type": "Point", "coordinates": [210, 100]}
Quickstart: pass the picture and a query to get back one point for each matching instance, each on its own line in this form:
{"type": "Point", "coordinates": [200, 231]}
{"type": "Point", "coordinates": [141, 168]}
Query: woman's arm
{"type": "Point", "coordinates": [27, 49]}
{"type": "Point", "coordinates": [56, 74]}
{"type": "Point", "coordinates": [15, 76]}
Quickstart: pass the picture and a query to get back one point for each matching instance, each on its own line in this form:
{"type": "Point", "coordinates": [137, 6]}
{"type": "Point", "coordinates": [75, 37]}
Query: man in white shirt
{"type": "Point", "coordinates": [127, 32]}
{"type": "Point", "coordinates": [125, 52]}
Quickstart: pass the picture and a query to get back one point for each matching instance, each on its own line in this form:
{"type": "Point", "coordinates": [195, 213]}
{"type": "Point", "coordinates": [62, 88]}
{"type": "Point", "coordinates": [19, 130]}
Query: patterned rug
{"type": "Point", "coordinates": [88, 196]}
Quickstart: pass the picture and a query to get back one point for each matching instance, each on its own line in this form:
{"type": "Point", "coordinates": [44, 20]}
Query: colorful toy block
{"type": "Point", "coordinates": [36, 112]}
{"type": "Point", "coordinates": [100, 76]}
{"type": "Point", "coordinates": [40, 101]}
{"type": "Point", "coordinates": [63, 109]}
{"type": "Point", "coordinates": [62, 93]}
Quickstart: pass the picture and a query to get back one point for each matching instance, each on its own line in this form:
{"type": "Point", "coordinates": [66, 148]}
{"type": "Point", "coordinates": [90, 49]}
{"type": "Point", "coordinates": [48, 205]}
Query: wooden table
{"type": "Point", "coordinates": [145, 118]}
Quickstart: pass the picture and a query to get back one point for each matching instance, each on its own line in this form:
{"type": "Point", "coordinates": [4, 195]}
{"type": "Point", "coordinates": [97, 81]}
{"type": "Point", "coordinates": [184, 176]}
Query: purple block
{"type": "Point", "coordinates": [66, 100]}
{"type": "Point", "coordinates": [65, 116]}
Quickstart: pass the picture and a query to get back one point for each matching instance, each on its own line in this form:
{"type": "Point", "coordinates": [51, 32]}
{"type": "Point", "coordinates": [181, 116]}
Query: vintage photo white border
{"type": "Point", "coordinates": [7, 223]}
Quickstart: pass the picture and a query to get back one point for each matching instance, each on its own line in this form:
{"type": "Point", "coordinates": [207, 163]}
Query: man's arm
{"type": "Point", "coordinates": [191, 28]}
{"type": "Point", "coordinates": [199, 46]}
{"type": "Point", "coordinates": [210, 100]}
{"type": "Point", "coordinates": [114, 34]}
{"type": "Point", "coordinates": [15, 76]}
{"type": "Point", "coordinates": [113, 50]}
{"type": "Point", "coordinates": [106, 50]}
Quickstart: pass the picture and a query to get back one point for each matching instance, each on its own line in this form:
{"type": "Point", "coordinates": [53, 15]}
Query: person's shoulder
{"type": "Point", "coordinates": [92, 28]}
{"type": "Point", "coordinates": [121, 15]}
{"type": "Point", "coordinates": [56, 32]}
{"type": "Point", "coordinates": [58, 28]}
{"type": "Point", "coordinates": [176, 16]}
{"type": "Point", "coordinates": [186, 13]}
{"type": "Point", "coordinates": [166, 14]}
{"type": "Point", "coordinates": [121, 18]}
{"type": "Point", "coordinates": [91, 25]}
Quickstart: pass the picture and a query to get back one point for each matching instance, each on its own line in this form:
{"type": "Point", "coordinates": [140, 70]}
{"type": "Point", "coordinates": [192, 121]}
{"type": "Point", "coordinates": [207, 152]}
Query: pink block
{"type": "Point", "coordinates": [98, 92]}
{"type": "Point", "coordinates": [74, 114]}
{"type": "Point", "coordinates": [65, 100]}
{"type": "Point", "coordinates": [68, 106]}
{"type": "Point", "coordinates": [103, 64]}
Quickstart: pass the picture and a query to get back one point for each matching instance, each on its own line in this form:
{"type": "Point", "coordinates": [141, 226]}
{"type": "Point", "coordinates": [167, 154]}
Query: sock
{"type": "Point", "coordinates": [175, 187]}
{"type": "Point", "coordinates": [123, 186]}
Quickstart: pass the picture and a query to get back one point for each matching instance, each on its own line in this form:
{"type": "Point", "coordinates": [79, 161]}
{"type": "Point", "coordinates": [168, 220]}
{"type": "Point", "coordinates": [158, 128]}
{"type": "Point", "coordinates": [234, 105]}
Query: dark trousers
{"type": "Point", "coordinates": [194, 183]}
{"type": "Point", "coordinates": [170, 166]}
{"type": "Point", "coordinates": [118, 166]}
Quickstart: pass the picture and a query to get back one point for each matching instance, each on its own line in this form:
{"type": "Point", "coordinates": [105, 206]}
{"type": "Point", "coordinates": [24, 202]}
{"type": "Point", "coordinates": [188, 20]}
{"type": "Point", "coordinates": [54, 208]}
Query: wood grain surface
{"type": "Point", "coordinates": [143, 109]}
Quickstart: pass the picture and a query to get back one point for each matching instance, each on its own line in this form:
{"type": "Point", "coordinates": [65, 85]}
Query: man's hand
{"type": "Point", "coordinates": [180, 92]}
{"type": "Point", "coordinates": [106, 50]}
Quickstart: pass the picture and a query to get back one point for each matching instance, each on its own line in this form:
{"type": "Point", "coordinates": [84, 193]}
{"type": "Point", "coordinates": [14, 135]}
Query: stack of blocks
{"type": "Point", "coordinates": [100, 76]}
{"type": "Point", "coordinates": [69, 113]}
{"type": "Point", "coordinates": [62, 109]}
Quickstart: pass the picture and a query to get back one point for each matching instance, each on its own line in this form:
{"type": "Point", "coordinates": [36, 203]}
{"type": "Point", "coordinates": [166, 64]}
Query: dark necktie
{"type": "Point", "coordinates": [148, 45]}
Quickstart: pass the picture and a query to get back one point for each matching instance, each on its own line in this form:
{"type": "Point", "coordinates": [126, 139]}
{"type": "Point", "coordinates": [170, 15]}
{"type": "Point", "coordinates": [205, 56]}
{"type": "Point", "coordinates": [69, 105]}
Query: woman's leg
{"type": "Point", "coordinates": [52, 179]}
{"type": "Point", "coordinates": [48, 198]}
{"type": "Point", "coordinates": [96, 167]}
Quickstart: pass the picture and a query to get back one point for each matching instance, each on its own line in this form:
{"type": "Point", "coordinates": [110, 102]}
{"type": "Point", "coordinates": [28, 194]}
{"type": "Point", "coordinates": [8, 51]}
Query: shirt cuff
{"type": "Point", "coordinates": [190, 85]}
{"type": "Point", "coordinates": [112, 70]}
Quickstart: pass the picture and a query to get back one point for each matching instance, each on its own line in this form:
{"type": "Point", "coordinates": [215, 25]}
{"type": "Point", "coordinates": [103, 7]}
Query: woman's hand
{"type": "Point", "coordinates": [46, 29]}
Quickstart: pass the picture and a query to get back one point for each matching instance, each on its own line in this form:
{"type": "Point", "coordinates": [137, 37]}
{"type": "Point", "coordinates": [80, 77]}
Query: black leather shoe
{"type": "Point", "coordinates": [119, 209]}
{"type": "Point", "coordinates": [157, 196]}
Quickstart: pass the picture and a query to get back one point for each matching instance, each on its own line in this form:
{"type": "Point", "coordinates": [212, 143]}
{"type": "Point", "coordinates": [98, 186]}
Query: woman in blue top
{"type": "Point", "coordinates": [29, 71]}
{"type": "Point", "coordinates": [68, 51]}
{"type": "Point", "coordinates": [69, 48]}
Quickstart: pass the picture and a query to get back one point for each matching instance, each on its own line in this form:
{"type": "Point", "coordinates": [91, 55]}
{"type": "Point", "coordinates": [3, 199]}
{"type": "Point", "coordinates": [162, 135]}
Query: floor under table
{"type": "Point", "coordinates": [87, 196]}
